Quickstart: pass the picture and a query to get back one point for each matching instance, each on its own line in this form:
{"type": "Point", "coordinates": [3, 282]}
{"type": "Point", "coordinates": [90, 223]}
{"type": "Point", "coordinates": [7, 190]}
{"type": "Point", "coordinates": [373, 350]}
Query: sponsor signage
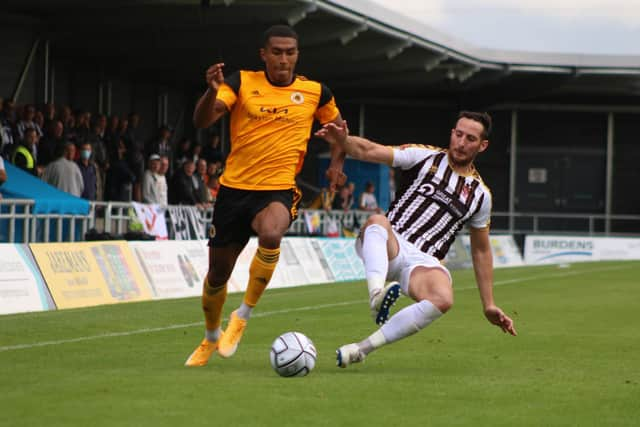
{"type": "Point", "coordinates": [90, 273]}
{"type": "Point", "coordinates": [559, 249]}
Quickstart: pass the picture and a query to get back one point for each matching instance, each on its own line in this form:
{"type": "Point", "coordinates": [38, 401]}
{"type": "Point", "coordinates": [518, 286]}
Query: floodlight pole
{"type": "Point", "coordinates": [513, 170]}
{"type": "Point", "coordinates": [609, 178]}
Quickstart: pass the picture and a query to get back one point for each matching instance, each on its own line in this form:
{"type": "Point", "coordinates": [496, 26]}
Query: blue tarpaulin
{"type": "Point", "coordinates": [48, 199]}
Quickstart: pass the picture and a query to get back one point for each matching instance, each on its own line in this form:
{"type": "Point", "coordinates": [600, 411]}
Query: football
{"type": "Point", "coordinates": [293, 355]}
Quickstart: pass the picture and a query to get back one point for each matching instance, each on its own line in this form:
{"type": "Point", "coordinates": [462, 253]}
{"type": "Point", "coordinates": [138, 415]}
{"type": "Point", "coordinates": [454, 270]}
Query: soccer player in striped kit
{"type": "Point", "coordinates": [439, 192]}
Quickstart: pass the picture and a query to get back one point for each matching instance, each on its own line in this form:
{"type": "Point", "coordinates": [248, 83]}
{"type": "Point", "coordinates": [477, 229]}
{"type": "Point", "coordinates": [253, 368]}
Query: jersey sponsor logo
{"type": "Point", "coordinates": [426, 189]}
{"type": "Point", "coordinates": [274, 110]}
{"type": "Point", "coordinates": [297, 98]}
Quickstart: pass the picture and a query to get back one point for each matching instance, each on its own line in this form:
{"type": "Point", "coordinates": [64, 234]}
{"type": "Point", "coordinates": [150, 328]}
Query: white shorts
{"type": "Point", "coordinates": [409, 257]}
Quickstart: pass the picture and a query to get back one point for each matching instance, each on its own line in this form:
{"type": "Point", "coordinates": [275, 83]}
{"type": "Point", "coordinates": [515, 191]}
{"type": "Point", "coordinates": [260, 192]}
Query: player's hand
{"type": "Point", "coordinates": [214, 76]}
{"type": "Point", "coordinates": [496, 316]}
{"type": "Point", "coordinates": [333, 133]}
{"type": "Point", "coordinates": [336, 179]}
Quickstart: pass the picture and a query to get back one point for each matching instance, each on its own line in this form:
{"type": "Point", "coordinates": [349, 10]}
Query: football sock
{"type": "Point", "coordinates": [213, 299]}
{"type": "Point", "coordinates": [406, 322]}
{"type": "Point", "coordinates": [262, 267]}
{"type": "Point", "coordinates": [374, 257]}
{"type": "Point", "coordinates": [214, 335]}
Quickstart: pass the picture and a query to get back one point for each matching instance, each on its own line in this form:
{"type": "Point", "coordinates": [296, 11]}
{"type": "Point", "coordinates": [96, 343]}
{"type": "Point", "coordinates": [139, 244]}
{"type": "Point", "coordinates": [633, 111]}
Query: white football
{"type": "Point", "coordinates": [293, 355]}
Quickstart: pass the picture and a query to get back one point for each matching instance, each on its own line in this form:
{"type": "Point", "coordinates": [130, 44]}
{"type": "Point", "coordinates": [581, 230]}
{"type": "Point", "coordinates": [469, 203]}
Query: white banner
{"type": "Point", "coordinates": [559, 249]}
{"type": "Point", "coordinates": [21, 286]}
{"type": "Point", "coordinates": [187, 222]}
{"type": "Point", "coordinates": [174, 269]}
{"type": "Point", "coordinates": [152, 219]}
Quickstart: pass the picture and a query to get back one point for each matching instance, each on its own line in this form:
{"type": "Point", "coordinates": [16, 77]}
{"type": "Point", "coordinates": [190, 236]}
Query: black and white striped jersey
{"type": "Point", "coordinates": [433, 202]}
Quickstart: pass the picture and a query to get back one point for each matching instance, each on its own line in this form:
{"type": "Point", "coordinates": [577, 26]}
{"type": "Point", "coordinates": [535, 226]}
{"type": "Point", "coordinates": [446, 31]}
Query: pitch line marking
{"type": "Point", "coordinates": [284, 311]}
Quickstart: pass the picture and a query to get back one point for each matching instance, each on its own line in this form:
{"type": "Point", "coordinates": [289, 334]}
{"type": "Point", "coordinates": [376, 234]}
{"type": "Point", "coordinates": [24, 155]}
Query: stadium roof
{"type": "Point", "coordinates": [353, 45]}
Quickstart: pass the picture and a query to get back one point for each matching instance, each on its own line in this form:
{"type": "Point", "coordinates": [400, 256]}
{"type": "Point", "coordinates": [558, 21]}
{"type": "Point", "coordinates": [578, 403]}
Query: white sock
{"type": "Point", "coordinates": [214, 335]}
{"type": "Point", "coordinates": [406, 322]}
{"type": "Point", "coordinates": [374, 341]}
{"type": "Point", "coordinates": [244, 311]}
{"type": "Point", "coordinates": [374, 257]}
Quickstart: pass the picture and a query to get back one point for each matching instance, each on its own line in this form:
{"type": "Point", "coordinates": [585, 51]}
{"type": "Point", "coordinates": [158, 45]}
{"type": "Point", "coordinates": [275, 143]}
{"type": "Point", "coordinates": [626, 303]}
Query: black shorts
{"type": "Point", "coordinates": [235, 209]}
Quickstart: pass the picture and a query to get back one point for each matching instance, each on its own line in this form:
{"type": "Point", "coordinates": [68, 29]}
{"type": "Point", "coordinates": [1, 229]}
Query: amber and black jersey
{"type": "Point", "coordinates": [270, 128]}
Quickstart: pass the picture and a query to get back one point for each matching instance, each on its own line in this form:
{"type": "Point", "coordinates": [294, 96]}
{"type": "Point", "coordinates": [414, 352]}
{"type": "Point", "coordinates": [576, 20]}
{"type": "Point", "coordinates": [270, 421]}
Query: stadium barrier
{"type": "Point", "coordinates": [45, 276]}
{"type": "Point", "coordinates": [19, 224]}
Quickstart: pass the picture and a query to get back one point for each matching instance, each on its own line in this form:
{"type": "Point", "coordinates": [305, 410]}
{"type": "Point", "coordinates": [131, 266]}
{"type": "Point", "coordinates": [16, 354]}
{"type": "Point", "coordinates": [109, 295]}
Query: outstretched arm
{"type": "Point", "coordinates": [483, 268]}
{"type": "Point", "coordinates": [355, 146]}
{"type": "Point", "coordinates": [334, 173]}
{"type": "Point", "coordinates": [208, 110]}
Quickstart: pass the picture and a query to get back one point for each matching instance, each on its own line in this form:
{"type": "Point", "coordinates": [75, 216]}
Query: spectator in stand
{"type": "Point", "coordinates": [211, 151]}
{"type": "Point", "coordinates": [352, 196]}
{"type": "Point", "coordinates": [7, 128]}
{"type": "Point", "coordinates": [63, 173]}
{"type": "Point", "coordinates": [164, 172]}
{"type": "Point", "coordinates": [202, 170]}
{"type": "Point", "coordinates": [52, 143]}
{"type": "Point", "coordinates": [154, 184]}
{"type": "Point", "coordinates": [184, 186]}
{"type": "Point", "coordinates": [23, 155]}
{"type": "Point", "coordinates": [164, 166]}
{"type": "Point", "coordinates": [68, 121]}
{"type": "Point", "coordinates": [82, 127]}
{"type": "Point", "coordinates": [368, 201]}
{"type": "Point", "coordinates": [161, 144]}
{"type": "Point", "coordinates": [3, 172]}
{"type": "Point", "coordinates": [135, 153]}
{"type": "Point", "coordinates": [182, 153]}
{"type": "Point", "coordinates": [89, 172]}
{"type": "Point", "coordinates": [214, 186]}
{"type": "Point", "coordinates": [112, 134]}
{"type": "Point", "coordinates": [120, 177]}
{"type": "Point", "coordinates": [196, 152]}
{"type": "Point", "coordinates": [27, 122]}
{"type": "Point", "coordinates": [99, 149]}
{"type": "Point", "coordinates": [214, 168]}
{"type": "Point", "coordinates": [39, 120]}
{"type": "Point", "coordinates": [342, 199]}
{"type": "Point", "coordinates": [49, 113]}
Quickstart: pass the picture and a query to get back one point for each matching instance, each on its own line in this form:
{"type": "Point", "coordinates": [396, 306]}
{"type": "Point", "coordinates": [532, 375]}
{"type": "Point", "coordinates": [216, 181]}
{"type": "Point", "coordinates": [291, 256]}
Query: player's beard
{"type": "Point", "coordinates": [460, 163]}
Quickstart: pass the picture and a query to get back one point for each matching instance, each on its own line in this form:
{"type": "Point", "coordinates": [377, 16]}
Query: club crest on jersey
{"type": "Point", "coordinates": [297, 98]}
{"type": "Point", "coordinates": [466, 189]}
{"type": "Point", "coordinates": [212, 231]}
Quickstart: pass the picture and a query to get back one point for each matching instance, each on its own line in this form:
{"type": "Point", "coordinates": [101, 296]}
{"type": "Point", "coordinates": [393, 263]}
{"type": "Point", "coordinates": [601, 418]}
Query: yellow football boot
{"type": "Point", "coordinates": [228, 343]}
{"type": "Point", "coordinates": [202, 353]}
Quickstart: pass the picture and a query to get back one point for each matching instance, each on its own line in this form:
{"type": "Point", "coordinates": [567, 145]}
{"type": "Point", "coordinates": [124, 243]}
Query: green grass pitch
{"type": "Point", "coordinates": [576, 361]}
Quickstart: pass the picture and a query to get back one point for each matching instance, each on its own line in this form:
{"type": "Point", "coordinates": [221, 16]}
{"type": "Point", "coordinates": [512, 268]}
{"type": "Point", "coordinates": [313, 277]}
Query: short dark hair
{"type": "Point", "coordinates": [482, 118]}
{"type": "Point", "coordinates": [278, 31]}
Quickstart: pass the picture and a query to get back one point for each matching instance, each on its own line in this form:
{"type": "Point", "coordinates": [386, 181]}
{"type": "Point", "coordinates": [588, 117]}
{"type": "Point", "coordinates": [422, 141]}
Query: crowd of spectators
{"type": "Point", "coordinates": [102, 158]}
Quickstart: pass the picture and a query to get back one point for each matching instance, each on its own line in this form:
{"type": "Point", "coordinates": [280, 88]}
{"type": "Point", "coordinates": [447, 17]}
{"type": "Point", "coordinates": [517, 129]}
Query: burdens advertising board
{"type": "Point", "coordinates": [560, 249]}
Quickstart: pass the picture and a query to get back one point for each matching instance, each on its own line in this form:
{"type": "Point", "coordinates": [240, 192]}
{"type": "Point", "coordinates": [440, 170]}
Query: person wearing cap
{"type": "Point", "coordinates": [154, 184]}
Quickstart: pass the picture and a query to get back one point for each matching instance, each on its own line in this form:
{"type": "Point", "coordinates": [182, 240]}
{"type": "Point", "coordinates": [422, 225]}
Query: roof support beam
{"type": "Point", "coordinates": [353, 32]}
{"type": "Point", "coordinates": [432, 63]}
{"type": "Point", "coordinates": [399, 48]}
{"type": "Point", "coordinates": [299, 13]}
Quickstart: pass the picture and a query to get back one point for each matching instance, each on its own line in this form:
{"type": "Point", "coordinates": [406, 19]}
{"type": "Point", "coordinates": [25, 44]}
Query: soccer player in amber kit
{"type": "Point", "coordinates": [272, 112]}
